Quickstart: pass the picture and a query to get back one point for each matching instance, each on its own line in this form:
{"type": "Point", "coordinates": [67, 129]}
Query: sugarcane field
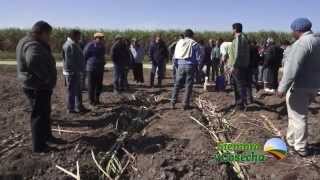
{"type": "Point", "coordinates": [159, 90]}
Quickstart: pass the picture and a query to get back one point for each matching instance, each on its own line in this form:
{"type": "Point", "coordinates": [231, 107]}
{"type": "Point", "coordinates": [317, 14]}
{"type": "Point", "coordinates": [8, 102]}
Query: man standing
{"type": "Point", "coordinates": [272, 62]}
{"type": "Point", "coordinates": [252, 73]}
{"type": "Point", "coordinates": [37, 72]}
{"type": "Point", "coordinates": [186, 54]}
{"type": "Point", "coordinates": [120, 56]}
{"type": "Point", "coordinates": [300, 82]}
{"type": "Point", "coordinates": [215, 60]}
{"type": "Point", "coordinates": [94, 53]}
{"type": "Point", "coordinates": [138, 55]}
{"type": "Point", "coordinates": [73, 68]}
{"type": "Point", "coordinates": [202, 61]}
{"type": "Point", "coordinates": [158, 53]}
{"type": "Point", "coordinates": [239, 62]}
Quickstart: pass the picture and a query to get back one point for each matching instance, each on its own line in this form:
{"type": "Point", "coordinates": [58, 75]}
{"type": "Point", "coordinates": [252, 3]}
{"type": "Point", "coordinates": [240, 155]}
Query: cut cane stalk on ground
{"type": "Point", "coordinates": [217, 123]}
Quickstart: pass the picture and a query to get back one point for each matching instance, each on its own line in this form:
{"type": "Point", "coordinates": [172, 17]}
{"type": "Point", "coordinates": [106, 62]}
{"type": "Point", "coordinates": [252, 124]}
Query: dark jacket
{"type": "Point", "coordinates": [207, 56]}
{"type": "Point", "coordinates": [254, 57]}
{"type": "Point", "coordinates": [158, 52]}
{"type": "Point", "coordinates": [94, 56]}
{"type": "Point", "coordinates": [273, 57]}
{"type": "Point", "coordinates": [36, 66]}
{"type": "Point", "coordinates": [120, 54]}
{"type": "Point", "coordinates": [73, 58]}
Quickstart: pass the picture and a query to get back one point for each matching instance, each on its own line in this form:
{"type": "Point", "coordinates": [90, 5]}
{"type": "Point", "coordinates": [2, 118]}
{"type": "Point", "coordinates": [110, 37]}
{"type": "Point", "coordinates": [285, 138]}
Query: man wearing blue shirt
{"type": "Point", "coordinates": [94, 53]}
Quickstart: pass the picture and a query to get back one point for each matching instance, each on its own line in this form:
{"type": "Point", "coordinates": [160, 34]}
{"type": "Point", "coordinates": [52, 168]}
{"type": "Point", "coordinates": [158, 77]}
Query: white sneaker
{"type": "Point", "coordinates": [269, 90]}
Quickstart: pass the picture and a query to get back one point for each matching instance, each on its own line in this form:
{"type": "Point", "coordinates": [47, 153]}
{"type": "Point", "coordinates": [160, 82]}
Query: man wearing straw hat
{"type": "Point", "coordinates": [94, 53]}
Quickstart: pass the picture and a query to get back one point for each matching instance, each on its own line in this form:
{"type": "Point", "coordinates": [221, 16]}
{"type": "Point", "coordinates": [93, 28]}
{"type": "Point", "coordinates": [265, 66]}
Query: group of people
{"type": "Point", "coordinates": [241, 62]}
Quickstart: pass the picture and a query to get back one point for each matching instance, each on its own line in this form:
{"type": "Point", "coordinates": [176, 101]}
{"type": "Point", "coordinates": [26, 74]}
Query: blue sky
{"type": "Point", "coordinates": [160, 14]}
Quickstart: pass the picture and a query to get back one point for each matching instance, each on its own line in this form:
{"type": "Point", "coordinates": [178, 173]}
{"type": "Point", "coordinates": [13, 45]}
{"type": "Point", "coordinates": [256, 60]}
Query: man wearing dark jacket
{"type": "Point", "coordinates": [37, 72]}
{"type": "Point", "coordinates": [73, 67]}
{"type": "Point", "coordinates": [121, 56]}
{"type": "Point", "coordinates": [239, 60]}
{"type": "Point", "coordinates": [272, 62]}
{"type": "Point", "coordinates": [94, 53]}
{"type": "Point", "coordinates": [158, 53]}
{"type": "Point", "coordinates": [252, 73]}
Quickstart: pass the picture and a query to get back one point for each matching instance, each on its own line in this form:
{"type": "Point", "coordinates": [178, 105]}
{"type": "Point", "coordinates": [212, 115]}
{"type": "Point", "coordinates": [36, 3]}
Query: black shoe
{"type": "Point", "coordinates": [72, 111]}
{"type": "Point", "coordinates": [239, 108]}
{"type": "Point", "coordinates": [186, 107]}
{"type": "Point", "coordinates": [82, 109]}
{"type": "Point", "coordinates": [54, 140]}
{"type": "Point", "coordinates": [42, 149]}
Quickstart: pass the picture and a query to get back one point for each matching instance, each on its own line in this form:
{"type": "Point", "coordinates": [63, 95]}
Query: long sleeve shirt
{"type": "Point", "coordinates": [193, 60]}
{"type": "Point", "coordinates": [94, 55]}
{"type": "Point", "coordinates": [73, 58]}
{"type": "Point", "coordinates": [137, 53]}
{"type": "Point", "coordinates": [36, 66]}
{"type": "Point", "coordinates": [215, 53]}
{"type": "Point", "coordinates": [302, 67]}
{"type": "Point", "coordinates": [240, 52]}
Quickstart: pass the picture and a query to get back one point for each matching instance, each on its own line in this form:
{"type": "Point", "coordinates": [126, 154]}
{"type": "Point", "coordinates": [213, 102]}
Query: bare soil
{"type": "Point", "coordinates": [166, 143]}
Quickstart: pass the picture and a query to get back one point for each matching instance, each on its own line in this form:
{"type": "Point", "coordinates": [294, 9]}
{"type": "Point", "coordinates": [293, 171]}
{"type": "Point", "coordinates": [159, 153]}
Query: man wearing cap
{"type": "Point", "coordinates": [37, 72]}
{"type": "Point", "coordinates": [187, 56]}
{"type": "Point", "coordinates": [300, 82]}
{"type": "Point", "coordinates": [73, 67]}
{"type": "Point", "coordinates": [94, 53]}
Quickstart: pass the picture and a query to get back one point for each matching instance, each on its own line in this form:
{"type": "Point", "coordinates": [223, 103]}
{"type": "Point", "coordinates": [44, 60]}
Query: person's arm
{"type": "Point", "coordinates": [297, 56]}
{"type": "Point", "coordinates": [86, 52]}
{"type": "Point", "coordinates": [70, 60]}
{"type": "Point", "coordinates": [236, 51]}
{"type": "Point", "coordinates": [151, 51]}
{"type": "Point", "coordinates": [166, 51]}
{"type": "Point", "coordinates": [212, 54]}
{"type": "Point", "coordinates": [197, 52]}
{"type": "Point", "coordinates": [142, 54]}
{"type": "Point", "coordinates": [112, 53]}
{"type": "Point", "coordinates": [37, 64]}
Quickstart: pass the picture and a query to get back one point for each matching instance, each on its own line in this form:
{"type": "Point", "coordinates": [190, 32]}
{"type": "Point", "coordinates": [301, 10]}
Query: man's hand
{"type": "Point", "coordinates": [280, 94]}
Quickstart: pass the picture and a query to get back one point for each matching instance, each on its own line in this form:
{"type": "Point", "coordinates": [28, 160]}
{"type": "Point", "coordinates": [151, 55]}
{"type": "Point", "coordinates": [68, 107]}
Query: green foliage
{"type": "Point", "coordinates": [10, 37]}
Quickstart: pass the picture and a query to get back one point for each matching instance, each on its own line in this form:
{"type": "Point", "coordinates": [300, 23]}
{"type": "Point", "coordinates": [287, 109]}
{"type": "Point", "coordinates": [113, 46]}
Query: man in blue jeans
{"type": "Point", "coordinates": [187, 56]}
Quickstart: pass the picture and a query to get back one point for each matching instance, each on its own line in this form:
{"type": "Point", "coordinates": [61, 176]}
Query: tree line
{"type": "Point", "coordinates": [9, 37]}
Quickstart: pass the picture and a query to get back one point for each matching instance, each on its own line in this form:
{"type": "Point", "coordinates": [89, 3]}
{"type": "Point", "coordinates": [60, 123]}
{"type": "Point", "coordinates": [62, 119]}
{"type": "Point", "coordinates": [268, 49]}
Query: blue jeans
{"type": "Point", "coordinates": [185, 75]}
{"type": "Point", "coordinates": [74, 96]}
{"type": "Point", "coordinates": [157, 67]}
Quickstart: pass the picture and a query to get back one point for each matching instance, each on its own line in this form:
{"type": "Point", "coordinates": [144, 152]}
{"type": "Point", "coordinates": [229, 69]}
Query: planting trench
{"type": "Point", "coordinates": [165, 143]}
